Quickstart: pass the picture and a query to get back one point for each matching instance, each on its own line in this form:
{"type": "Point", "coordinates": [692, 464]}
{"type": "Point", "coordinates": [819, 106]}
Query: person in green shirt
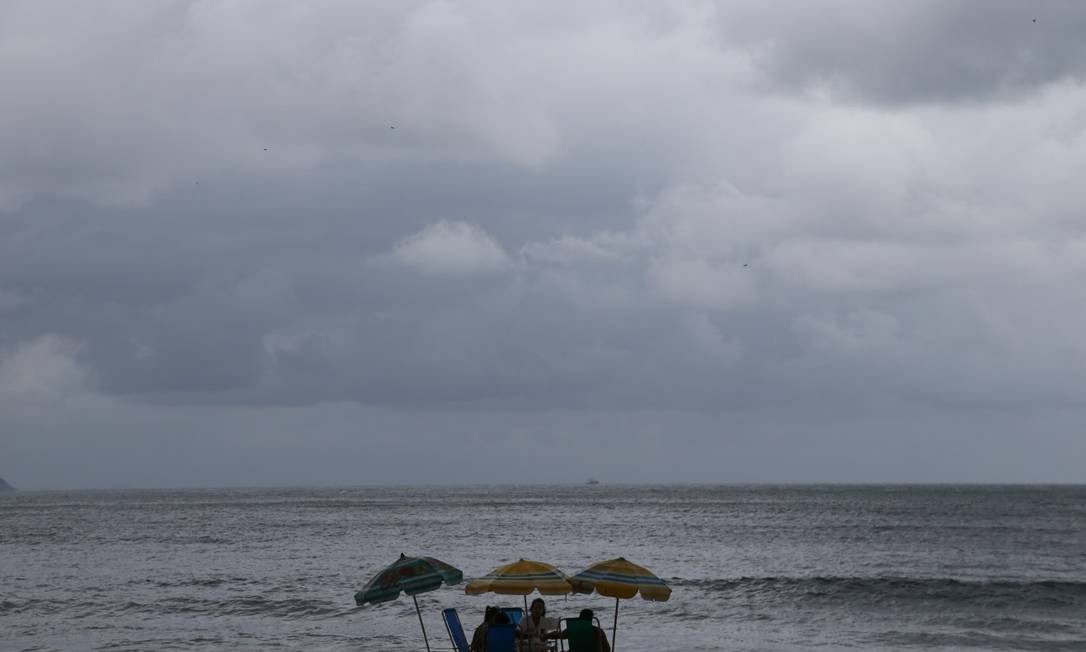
{"type": "Point", "coordinates": [583, 636]}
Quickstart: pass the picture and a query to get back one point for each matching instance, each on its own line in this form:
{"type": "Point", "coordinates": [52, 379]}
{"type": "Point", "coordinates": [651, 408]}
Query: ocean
{"type": "Point", "coordinates": [751, 567]}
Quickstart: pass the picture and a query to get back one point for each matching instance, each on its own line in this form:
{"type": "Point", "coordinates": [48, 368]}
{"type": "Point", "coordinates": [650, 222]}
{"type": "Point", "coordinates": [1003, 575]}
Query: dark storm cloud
{"type": "Point", "coordinates": [579, 227]}
{"type": "Point", "coordinates": [909, 52]}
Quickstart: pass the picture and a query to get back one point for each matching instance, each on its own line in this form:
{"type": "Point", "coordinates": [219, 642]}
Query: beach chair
{"type": "Point", "coordinates": [580, 634]}
{"type": "Point", "coordinates": [455, 629]}
{"type": "Point", "coordinates": [501, 638]}
{"type": "Point", "coordinates": [514, 614]}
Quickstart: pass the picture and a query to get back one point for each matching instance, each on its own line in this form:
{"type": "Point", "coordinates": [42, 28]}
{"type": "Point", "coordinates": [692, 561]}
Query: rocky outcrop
{"type": "Point", "coordinates": [5, 486]}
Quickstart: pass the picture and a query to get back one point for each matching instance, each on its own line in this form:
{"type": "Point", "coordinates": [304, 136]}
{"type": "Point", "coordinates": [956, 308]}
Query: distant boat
{"type": "Point", "coordinates": [592, 481]}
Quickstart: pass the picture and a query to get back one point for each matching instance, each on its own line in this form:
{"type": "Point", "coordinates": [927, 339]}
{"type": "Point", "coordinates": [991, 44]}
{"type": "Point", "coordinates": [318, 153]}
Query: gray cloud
{"type": "Point", "coordinates": [916, 52]}
{"type": "Point", "coordinates": [233, 230]}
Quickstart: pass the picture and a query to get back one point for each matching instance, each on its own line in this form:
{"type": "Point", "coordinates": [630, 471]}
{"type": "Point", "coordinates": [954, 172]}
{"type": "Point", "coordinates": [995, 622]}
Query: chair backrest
{"type": "Point", "coordinates": [455, 629]}
{"type": "Point", "coordinates": [514, 613]}
{"type": "Point", "coordinates": [581, 635]}
{"type": "Point", "coordinates": [501, 638]}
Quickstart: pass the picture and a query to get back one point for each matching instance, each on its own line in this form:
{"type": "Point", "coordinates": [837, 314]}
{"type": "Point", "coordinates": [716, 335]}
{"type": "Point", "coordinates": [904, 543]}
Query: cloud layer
{"type": "Point", "coordinates": [852, 228]}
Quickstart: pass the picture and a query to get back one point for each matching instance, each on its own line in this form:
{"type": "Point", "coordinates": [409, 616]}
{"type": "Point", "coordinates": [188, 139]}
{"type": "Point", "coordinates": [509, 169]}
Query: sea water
{"type": "Point", "coordinates": [751, 567]}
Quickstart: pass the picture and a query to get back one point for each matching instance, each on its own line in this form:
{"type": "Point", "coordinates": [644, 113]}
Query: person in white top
{"type": "Point", "coordinates": [531, 629]}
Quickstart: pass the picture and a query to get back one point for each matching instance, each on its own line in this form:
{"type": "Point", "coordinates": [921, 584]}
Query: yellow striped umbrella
{"type": "Point", "coordinates": [521, 578]}
{"type": "Point", "coordinates": [619, 578]}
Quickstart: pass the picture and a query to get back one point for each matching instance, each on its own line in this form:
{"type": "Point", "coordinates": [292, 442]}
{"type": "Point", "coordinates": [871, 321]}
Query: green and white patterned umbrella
{"type": "Point", "coordinates": [411, 575]}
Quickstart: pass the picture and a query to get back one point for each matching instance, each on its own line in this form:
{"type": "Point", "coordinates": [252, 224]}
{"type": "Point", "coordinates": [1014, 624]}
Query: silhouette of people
{"type": "Point", "coordinates": [492, 616]}
{"type": "Point", "coordinates": [599, 637]}
{"type": "Point", "coordinates": [531, 630]}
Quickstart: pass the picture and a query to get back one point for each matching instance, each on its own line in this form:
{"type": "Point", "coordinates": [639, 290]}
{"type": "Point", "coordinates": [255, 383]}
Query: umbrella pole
{"type": "Point", "coordinates": [525, 604]}
{"type": "Point", "coordinates": [614, 629]}
{"type": "Point", "coordinates": [424, 639]}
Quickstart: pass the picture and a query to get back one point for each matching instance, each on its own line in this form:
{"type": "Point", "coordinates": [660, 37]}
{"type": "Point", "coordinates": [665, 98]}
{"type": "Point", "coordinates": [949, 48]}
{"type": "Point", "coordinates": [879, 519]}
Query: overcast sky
{"type": "Point", "coordinates": [331, 242]}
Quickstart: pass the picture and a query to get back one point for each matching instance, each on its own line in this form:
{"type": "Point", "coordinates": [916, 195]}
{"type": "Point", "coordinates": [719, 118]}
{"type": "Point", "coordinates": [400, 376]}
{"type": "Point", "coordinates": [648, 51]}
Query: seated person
{"type": "Point", "coordinates": [599, 637]}
{"type": "Point", "coordinates": [531, 631]}
{"type": "Point", "coordinates": [492, 616]}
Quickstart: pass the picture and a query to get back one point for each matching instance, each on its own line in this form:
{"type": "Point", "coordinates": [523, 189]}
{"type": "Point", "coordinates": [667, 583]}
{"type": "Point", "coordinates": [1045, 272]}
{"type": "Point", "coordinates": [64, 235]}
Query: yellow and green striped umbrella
{"type": "Point", "coordinates": [521, 578]}
{"type": "Point", "coordinates": [620, 579]}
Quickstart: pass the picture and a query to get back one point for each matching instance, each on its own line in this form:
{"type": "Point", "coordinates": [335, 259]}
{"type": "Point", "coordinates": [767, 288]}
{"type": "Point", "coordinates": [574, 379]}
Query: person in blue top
{"type": "Point", "coordinates": [492, 616]}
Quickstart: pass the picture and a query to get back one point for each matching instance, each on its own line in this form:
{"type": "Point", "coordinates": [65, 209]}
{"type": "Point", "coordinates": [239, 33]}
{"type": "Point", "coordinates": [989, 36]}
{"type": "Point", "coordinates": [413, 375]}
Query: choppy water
{"type": "Point", "coordinates": [752, 568]}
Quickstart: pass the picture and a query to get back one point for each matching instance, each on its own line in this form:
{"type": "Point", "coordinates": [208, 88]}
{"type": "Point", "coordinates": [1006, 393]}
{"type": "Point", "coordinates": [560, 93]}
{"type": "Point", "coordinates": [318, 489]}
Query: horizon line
{"type": "Point", "coordinates": [526, 485]}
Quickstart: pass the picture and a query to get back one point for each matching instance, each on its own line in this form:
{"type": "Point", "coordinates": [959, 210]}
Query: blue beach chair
{"type": "Point", "coordinates": [514, 614]}
{"type": "Point", "coordinates": [501, 638]}
{"type": "Point", "coordinates": [455, 630]}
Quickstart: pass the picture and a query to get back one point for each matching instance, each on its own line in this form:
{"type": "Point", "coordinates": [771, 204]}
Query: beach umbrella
{"type": "Point", "coordinates": [521, 578]}
{"type": "Point", "coordinates": [620, 579]}
{"type": "Point", "coordinates": [411, 575]}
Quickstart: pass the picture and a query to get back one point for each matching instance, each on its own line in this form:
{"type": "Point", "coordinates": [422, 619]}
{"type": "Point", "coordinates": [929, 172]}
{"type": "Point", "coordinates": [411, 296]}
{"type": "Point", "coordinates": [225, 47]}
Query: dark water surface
{"type": "Point", "coordinates": [752, 568]}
